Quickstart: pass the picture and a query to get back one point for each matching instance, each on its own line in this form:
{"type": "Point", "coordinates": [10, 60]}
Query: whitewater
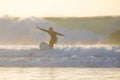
{"type": "Point", "coordinates": [60, 56]}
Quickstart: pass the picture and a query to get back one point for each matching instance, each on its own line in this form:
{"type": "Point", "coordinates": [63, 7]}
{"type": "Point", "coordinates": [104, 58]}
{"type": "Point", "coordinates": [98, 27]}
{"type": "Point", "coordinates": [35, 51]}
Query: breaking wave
{"type": "Point", "coordinates": [62, 56]}
{"type": "Point", "coordinates": [23, 31]}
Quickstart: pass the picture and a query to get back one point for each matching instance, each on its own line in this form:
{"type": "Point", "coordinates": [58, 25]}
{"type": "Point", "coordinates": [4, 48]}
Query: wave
{"type": "Point", "coordinates": [23, 31]}
{"type": "Point", "coordinates": [65, 56]}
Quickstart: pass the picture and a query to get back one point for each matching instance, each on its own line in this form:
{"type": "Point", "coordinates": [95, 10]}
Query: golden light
{"type": "Point", "coordinates": [59, 8]}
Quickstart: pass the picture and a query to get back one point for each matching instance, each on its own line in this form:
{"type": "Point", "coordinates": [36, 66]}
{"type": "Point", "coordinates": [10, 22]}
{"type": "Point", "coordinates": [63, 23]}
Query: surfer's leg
{"type": "Point", "coordinates": [52, 42]}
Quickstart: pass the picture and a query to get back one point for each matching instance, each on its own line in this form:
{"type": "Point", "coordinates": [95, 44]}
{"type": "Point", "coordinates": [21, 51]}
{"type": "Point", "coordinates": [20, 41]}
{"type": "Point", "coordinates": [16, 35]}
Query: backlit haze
{"type": "Point", "coordinates": [59, 8]}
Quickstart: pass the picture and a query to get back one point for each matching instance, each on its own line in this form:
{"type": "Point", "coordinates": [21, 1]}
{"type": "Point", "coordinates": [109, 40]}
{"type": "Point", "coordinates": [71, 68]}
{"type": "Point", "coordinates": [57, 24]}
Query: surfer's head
{"type": "Point", "coordinates": [50, 29]}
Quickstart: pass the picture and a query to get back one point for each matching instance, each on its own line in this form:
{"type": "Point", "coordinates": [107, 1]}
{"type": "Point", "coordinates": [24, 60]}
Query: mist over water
{"type": "Point", "coordinates": [23, 31]}
{"type": "Point", "coordinates": [19, 31]}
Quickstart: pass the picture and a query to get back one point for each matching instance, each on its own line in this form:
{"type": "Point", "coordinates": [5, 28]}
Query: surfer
{"type": "Point", "coordinates": [53, 35]}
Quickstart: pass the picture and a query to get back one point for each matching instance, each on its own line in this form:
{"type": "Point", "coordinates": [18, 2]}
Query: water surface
{"type": "Point", "coordinates": [50, 73]}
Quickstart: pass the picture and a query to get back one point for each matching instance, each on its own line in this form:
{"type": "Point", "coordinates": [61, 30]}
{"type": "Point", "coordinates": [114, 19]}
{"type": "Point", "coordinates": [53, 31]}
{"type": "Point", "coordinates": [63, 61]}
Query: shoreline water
{"type": "Point", "coordinates": [32, 73]}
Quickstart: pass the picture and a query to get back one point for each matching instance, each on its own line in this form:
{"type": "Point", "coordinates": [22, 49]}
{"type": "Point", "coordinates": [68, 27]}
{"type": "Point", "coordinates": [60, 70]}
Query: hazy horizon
{"type": "Point", "coordinates": [102, 16]}
{"type": "Point", "coordinates": [59, 8]}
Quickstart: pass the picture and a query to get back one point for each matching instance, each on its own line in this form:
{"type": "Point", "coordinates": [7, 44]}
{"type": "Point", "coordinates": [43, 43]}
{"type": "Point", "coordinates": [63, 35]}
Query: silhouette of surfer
{"type": "Point", "coordinates": [53, 35]}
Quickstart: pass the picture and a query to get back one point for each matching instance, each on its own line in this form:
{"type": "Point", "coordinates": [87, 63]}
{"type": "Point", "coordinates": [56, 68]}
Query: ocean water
{"type": "Point", "coordinates": [68, 62]}
{"type": "Point", "coordinates": [38, 73]}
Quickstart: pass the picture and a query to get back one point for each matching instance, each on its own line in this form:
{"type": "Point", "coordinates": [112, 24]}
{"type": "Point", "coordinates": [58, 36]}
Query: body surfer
{"type": "Point", "coordinates": [53, 35]}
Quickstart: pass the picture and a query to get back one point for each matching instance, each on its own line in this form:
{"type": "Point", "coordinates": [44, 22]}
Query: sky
{"type": "Point", "coordinates": [59, 8]}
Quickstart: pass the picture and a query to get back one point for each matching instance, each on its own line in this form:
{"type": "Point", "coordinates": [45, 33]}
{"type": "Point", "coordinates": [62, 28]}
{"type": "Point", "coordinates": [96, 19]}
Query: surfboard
{"type": "Point", "coordinates": [44, 46]}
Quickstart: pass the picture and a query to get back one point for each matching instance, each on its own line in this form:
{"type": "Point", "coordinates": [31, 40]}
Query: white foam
{"type": "Point", "coordinates": [79, 56]}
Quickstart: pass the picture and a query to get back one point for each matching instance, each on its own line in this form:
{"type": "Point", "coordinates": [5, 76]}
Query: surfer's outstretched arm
{"type": "Point", "coordinates": [41, 29]}
{"type": "Point", "coordinates": [59, 34]}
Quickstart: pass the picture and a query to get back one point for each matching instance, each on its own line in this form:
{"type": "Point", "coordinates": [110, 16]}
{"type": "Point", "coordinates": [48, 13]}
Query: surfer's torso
{"type": "Point", "coordinates": [53, 35]}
